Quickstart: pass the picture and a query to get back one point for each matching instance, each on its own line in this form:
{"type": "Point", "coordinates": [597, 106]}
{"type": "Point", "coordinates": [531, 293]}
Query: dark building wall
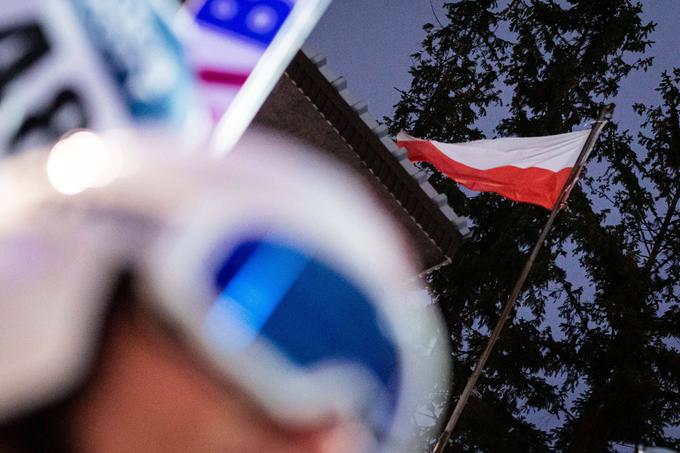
{"type": "Point", "coordinates": [307, 105]}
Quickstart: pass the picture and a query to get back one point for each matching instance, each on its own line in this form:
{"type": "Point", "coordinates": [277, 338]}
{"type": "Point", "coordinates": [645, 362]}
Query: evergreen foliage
{"type": "Point", "coordinates": [591, 360]}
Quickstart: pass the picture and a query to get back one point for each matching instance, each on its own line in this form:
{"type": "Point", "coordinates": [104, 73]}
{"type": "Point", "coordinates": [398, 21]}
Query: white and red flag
{"type": "Point", "coordinates": [531, 170]}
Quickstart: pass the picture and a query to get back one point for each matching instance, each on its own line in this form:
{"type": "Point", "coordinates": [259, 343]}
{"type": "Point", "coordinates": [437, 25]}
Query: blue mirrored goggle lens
{"type": "Point", "coordinates": [308, 311]}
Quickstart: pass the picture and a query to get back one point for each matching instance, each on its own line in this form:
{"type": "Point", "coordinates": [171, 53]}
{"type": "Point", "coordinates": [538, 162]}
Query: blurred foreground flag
{"type": "Point", "coordinates": [530, 170]}
{"type": "Point", "coordinates": [238, 49]}
{"type": "Point", "coordinates": [96, 64]}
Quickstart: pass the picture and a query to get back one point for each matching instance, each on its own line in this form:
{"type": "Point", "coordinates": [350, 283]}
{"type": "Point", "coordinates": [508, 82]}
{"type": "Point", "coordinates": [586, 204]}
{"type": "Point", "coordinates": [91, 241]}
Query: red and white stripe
{"type": "Point", "coordinates": [530, 170]}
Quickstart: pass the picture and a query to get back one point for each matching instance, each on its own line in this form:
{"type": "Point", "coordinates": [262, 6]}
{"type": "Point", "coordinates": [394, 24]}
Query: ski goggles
{"type": "Point", "coordinates": [304, 338]}
{"type": "Point", "coordinates": [260, 266]}
{"type": "Point", "coordinates": [291, 325]}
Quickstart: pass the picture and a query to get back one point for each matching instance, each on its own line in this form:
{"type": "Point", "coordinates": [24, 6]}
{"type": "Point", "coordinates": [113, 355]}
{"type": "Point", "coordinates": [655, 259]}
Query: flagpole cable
{"type": "Point", "coordinates": [605, 116]}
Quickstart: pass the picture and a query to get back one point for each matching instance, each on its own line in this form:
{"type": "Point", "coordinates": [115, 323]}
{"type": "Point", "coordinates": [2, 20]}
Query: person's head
{"type": "Point", "coordinates": [154, 302]}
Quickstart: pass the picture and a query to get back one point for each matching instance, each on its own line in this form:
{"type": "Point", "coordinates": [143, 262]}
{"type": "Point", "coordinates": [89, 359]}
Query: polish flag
{"type": "Point", "coordinates": [530, 170]}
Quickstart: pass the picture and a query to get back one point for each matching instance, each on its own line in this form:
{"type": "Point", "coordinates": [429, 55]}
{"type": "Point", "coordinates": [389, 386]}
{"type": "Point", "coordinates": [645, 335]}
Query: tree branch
{"type": "Point", "coordinates": [661, 237]}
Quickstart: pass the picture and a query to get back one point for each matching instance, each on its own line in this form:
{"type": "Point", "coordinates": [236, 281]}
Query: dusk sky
{"type": "Point", "coordinates": [370, 41]}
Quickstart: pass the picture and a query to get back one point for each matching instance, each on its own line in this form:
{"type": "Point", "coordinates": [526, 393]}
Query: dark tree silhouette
{"type": "Point", "coordinates": [590, 361]}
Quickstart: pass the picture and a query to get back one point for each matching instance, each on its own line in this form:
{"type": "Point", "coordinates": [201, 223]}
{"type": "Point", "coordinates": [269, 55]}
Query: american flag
{"type": "Point", "coordinates": [229, 39]}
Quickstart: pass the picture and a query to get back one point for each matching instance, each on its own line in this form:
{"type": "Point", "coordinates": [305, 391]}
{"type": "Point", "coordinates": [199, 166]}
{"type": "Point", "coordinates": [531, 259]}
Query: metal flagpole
{"type": "Point", "coordinates": [605, 116]}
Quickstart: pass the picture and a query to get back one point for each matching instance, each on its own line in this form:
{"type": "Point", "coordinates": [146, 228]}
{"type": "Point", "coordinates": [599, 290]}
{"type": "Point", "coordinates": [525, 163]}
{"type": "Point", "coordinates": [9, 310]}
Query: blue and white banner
{"type": "Point", "coordinates": [88, 64]}
{"type": "Point", "coordinates": [103, 64]}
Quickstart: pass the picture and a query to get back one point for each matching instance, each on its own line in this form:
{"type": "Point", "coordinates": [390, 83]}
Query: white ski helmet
{"type": "Point", "coordinates": [273, 265]}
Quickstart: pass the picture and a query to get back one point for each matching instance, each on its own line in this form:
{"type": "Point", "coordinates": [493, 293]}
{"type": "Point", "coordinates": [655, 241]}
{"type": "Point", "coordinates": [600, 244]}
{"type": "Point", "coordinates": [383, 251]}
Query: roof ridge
{"type": "Point", "coordinates": [380, 130]}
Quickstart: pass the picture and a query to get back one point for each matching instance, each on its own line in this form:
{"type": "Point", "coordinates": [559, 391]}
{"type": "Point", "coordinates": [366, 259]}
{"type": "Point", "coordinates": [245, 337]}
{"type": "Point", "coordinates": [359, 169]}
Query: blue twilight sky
{"type": "Point", "coordinates": [370, 43]}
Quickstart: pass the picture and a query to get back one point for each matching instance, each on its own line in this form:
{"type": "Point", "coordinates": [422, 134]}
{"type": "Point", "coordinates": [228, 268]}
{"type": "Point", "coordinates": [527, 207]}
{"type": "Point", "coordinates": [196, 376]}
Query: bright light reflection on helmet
{"type": "Point", "coordinates": [82, 160]}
